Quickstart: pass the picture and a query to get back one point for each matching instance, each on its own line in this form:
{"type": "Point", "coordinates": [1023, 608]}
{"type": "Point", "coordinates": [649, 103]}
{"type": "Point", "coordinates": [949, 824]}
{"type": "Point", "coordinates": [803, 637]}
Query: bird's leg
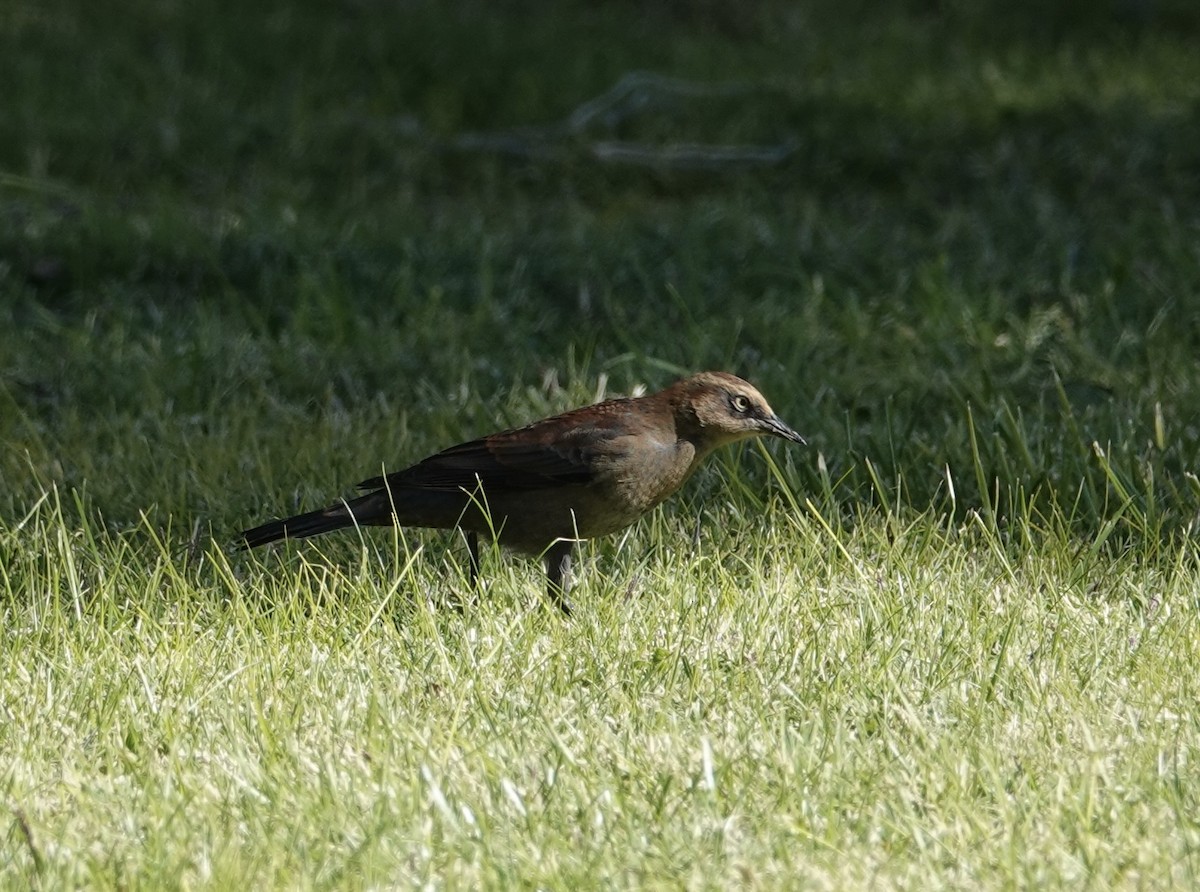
{"type": "Point", "coordinates": [460, 603]}
{"type": "Point", "coordinates": [473, 550]}
{"type": "Point", "coordinates": [558, 574]}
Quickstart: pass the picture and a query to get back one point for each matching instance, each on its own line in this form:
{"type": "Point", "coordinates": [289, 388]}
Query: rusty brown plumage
{"type": "Point", "coordinates": [540, 488]}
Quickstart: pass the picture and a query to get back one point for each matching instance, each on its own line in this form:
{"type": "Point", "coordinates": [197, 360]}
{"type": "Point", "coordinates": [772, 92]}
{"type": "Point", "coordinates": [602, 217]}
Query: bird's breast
{"type": "Point", "coordinates": [646, 472]}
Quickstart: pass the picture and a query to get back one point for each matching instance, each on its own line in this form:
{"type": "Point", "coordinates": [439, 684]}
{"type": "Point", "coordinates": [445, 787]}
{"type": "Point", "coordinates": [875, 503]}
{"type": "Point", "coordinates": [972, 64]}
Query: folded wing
{"type": "Point", "coordinates": [551, 453]}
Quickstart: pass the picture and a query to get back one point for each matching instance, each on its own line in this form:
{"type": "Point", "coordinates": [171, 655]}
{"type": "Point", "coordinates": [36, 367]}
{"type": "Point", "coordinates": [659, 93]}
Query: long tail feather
{"type": "Point", "coordinates": [299, 527]}
{"type": "Point", "coordinates": [369, 510]}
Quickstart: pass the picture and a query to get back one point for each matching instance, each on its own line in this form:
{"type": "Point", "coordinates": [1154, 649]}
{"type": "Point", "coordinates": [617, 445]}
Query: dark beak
{"type": "Point", "coordinates": [774, 425]}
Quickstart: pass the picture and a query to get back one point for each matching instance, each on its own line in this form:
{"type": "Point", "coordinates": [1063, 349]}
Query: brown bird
{"type": "Point", "coordinates": [541, 488]}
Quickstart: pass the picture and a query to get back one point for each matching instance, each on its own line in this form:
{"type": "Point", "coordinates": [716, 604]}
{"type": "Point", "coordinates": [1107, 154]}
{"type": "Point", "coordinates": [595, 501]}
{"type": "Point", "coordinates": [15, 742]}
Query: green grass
{"type": "Point", "coordinates": [953, 643]}
{"type": "Point", "coordinates": [910, 706]}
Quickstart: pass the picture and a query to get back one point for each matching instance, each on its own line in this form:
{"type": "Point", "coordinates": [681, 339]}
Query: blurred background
{"type": "Point", "coordinates": [248, 252]}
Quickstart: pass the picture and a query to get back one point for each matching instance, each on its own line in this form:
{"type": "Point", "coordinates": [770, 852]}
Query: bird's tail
{"type": "Point", "coordinates": [365, 510]}
{"type": "Point", "coordinates": [299, 527]}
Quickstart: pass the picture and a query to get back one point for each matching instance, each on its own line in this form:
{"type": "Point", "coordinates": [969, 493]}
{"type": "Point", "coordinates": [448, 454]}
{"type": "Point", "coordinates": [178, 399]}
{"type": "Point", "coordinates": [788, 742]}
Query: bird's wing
{"type": "Point", "coordinates": [549, 453]}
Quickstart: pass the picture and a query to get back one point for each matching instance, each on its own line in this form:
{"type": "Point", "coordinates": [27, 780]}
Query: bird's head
{"type": "Point", "coordinates": [715, 408]}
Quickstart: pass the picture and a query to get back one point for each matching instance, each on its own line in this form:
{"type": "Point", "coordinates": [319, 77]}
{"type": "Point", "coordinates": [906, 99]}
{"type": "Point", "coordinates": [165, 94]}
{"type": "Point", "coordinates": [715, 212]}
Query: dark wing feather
{"type": "Point", "coordinates": [558, 451]}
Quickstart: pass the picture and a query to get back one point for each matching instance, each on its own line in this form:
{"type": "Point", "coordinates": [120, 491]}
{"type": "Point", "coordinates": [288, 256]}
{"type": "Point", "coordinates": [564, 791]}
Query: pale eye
{"type": "Point", "coordinates": [740, 404]}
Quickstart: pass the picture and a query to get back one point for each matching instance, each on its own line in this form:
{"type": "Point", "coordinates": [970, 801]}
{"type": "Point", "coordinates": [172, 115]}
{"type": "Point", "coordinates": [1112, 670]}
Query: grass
{"type": "Point", "coordinates": [244, 264]}
{"type": "Point", "coordinates": [902, 708]}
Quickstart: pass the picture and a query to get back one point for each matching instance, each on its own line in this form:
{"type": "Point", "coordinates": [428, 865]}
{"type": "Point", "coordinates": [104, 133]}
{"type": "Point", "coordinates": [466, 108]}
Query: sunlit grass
{"type": "Point", "coordinates": [757, 704]}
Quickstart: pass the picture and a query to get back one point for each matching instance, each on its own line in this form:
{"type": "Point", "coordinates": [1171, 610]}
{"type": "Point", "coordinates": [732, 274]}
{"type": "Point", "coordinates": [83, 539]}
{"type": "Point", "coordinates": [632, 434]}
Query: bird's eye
{"type": "Point", "coordinates": [740, 404]}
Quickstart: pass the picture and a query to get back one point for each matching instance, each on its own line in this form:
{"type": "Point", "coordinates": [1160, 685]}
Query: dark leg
{"type": "Point", "coordinates": [558, 574]}
{"type": "Point", "coordinates": [473, 548]}
{"type": "Point", "coordinates": [460, 603]}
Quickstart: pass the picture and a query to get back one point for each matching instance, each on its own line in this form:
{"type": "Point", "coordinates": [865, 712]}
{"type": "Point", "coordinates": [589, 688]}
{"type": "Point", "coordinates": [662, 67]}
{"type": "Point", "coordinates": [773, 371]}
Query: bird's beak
{"type": "Point", "coordinates": [774, 425]}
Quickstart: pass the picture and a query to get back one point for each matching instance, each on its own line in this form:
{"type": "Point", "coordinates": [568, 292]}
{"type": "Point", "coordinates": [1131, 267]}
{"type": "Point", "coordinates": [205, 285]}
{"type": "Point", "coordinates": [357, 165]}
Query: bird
{"type": "Point", "coordinates": [542, 488]}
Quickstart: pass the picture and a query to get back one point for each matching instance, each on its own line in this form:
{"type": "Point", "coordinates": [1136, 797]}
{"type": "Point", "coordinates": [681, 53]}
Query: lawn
{"type": "Point", "coordinates": [251, 255]}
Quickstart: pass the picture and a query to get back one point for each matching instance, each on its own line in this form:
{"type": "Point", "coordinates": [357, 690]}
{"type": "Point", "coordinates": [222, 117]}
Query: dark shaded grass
{"type": "Point", "coordinates": [244, 240]}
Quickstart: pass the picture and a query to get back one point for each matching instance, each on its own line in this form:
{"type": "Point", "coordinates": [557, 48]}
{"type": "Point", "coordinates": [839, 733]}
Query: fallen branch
{"type": "Point", "coordinates": [634, 93]}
